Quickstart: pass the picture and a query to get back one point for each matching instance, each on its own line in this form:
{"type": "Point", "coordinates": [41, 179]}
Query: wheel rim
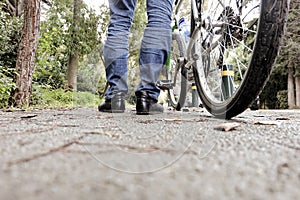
{"type": "Point", "coordinates": [174, 73]}
{"type": "Point", "coordinates": [226, 41]}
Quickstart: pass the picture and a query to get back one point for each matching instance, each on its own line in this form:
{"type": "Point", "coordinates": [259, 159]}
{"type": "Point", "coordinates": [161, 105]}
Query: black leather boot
{"type": "Point", "coordinates": [145, 105]}
{"type": "Point", "coordinates": [114, 105]}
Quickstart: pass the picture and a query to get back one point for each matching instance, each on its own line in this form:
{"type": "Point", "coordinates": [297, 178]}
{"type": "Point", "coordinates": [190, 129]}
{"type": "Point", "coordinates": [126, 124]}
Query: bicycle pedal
{"type": "Point", "coordinates": [164, 84]}
{"type": "Point", "coordinates": [182, 60]}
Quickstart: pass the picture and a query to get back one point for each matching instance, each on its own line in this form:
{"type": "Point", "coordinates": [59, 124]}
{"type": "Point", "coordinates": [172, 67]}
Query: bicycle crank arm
{"type": "Point", "coordinates": [184, 61]}
{"type": "Point", "coordinates": [164, 84]}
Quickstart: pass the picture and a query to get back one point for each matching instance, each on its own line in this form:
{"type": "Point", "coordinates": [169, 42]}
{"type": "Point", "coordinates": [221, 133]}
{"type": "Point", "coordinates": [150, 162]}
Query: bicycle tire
{"type": "Point", "coordinates": [177, 73]}
{"type": "Point", "coordinates": [269, 31]}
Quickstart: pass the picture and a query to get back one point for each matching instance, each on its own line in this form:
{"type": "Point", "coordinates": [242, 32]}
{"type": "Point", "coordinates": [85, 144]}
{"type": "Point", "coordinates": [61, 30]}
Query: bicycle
{"type": "Point", "coordinates": [232, 49]}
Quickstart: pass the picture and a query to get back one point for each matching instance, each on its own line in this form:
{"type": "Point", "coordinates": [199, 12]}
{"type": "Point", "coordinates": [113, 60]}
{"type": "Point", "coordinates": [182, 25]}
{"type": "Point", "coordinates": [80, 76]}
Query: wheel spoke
{"type": "Point", "coordinates": [227, 38]}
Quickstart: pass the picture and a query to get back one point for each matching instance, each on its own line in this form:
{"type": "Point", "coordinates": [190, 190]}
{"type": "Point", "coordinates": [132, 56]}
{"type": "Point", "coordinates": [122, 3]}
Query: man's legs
{"type": "Point", "coordinates": [116, 47]}
{"type": "Point", "coordinates": [116, 53]}
{"type": "Point", "coordinates": [153, 55]}
{"type": "Point", "coordinates": [155, 45]}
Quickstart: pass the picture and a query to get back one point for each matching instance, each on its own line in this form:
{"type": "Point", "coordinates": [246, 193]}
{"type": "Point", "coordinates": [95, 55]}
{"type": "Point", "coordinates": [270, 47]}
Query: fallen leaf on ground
{"type": "Point", "coordinates": [184, 120]}
{"type": "Point", "coordinates": [270, 123]}
{"type": "Point", "coordinates": [282, 118]}
{"type": "Point", "coordinates": [145, 121]}
{"type": "Point", "coordinates": [227, 126]}
{"type": "Point", "coordinates": [173, 120]}
{"type": "Point", "coordinates": [29, 116]}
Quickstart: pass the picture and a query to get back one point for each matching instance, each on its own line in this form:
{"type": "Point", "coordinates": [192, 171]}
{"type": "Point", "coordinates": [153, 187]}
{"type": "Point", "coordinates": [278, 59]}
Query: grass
{"type": "Point", "coordinates": [59, 98]}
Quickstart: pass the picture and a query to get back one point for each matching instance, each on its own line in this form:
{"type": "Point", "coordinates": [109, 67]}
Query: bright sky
{"type": "Point", "coordinates": [95, 3]}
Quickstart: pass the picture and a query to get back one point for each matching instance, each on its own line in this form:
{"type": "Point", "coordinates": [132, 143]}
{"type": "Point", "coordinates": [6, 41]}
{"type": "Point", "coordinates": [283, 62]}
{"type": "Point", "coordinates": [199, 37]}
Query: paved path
{"type": "Point", "coordinates": [82, 154]}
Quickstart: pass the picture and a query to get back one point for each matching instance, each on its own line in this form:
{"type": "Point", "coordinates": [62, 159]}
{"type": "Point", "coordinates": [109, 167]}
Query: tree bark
{"type": "Point", "coordinates": [72, 71]}
{"type": "Point", "coordinates": [297, 83]}
{"type": "Point", "coordinates": [73, 57]}
{"type": "Point", "coordinates": [27, 53]}
{"type": "Point", "coordinates": [291, 89]}
{"type": "Point", "coordinates": [15, 7]}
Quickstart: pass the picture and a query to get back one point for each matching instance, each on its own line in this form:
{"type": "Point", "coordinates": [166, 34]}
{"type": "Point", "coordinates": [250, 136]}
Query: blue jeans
{"type": "Point", "coordinates": [154, 50]}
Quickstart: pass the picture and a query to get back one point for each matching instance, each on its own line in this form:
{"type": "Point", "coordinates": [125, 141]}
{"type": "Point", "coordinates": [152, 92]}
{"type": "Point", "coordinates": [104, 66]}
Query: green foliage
{"type": "Point", "coordinates": [103, 25]}
{"type": "Point", "coordinates": [57, 40]}
{"type": "Point", "coordinates": [51, 63]}
{"type": "Point", "coordinates": [290, 52]}
{"type": "Point", "coordinates": [277, 82]}
{"type": "Point", "coordinates": [51, 54]}
{"type": "Point", "coordinates": [292, 40]}
{"type": "Point", "coordinates": [103, 21]}
{"type": "Point", "coordinates": [282, 99]}
{"type": "Point", "coordinates": [89, 73]}
{"type": "Point", "coordinates": [44, 97]}
{"type": "Point", "coordinates": [56, 43]}
{"type": "Point", "coordinates": [6, 86]}
{"type": "Point", "coordinates": [85, 99]}
{"type": "Point", "coordinates": [54, 48]}
{"type": "Point", "coordinates": [83, 36]}
{"type": "Point", "coordinates": [10, 28]}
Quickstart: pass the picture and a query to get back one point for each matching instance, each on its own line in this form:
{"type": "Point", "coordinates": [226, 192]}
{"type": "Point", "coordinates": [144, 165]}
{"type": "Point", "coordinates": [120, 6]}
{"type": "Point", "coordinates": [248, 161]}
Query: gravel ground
{"type": "Point", "coordinates": [83, 154]}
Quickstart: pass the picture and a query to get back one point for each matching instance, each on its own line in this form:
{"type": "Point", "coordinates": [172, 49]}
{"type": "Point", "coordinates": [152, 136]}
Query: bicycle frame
{"type": "Point", "coordinates": [195, 7]}
{"type": "Point", "coordinates": [234, 42]}
{"type": "Point", "coordinates": [190, 59]}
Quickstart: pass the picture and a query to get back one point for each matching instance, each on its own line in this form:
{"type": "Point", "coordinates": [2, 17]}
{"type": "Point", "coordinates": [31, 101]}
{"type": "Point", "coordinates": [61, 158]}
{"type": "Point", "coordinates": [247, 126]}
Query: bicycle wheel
{"type": "Point", "coordinates": [236, 46]}
{"type": "Point", "coordinates": [177, 73]}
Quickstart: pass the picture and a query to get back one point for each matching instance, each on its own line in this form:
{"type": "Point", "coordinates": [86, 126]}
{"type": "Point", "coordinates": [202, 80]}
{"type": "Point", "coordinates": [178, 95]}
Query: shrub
{"type": "Point", "coordinates": [282, 99]}
{"type": "Point", "coordinates": [45, 97]}
{"type": "Point", "coordinates": [6, 86]}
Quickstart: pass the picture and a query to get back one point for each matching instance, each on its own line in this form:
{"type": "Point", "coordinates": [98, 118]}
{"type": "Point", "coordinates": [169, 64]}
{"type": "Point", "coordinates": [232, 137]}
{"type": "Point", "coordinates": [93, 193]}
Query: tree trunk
{"type": "Point", "coordinates": [27, 52]}
{"type": "Point", "coordinates": [19, 7]}
{"type": "Point", "coordinates": [72, 71]}
{"type": "Point", "coordinates": [73, 58]}
{"type": "Point", "coordinates": [291, 88]}
{"type": "Point", "coordinates": [297, 83]}
{"type": "Point", "coordinates": [15, 7]}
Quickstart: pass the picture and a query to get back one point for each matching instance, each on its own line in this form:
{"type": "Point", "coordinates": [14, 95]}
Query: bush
{"type": "Point", "coordinates": [10, 28]}
{"type": "Point", "coordinates": [6, 86]}
{"type": "Point", "coordinates": [45, 97]}
{"type": "Point", "coordinates": [85, 99]}
{"type": "Point", "coordinates": [282, 99]}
